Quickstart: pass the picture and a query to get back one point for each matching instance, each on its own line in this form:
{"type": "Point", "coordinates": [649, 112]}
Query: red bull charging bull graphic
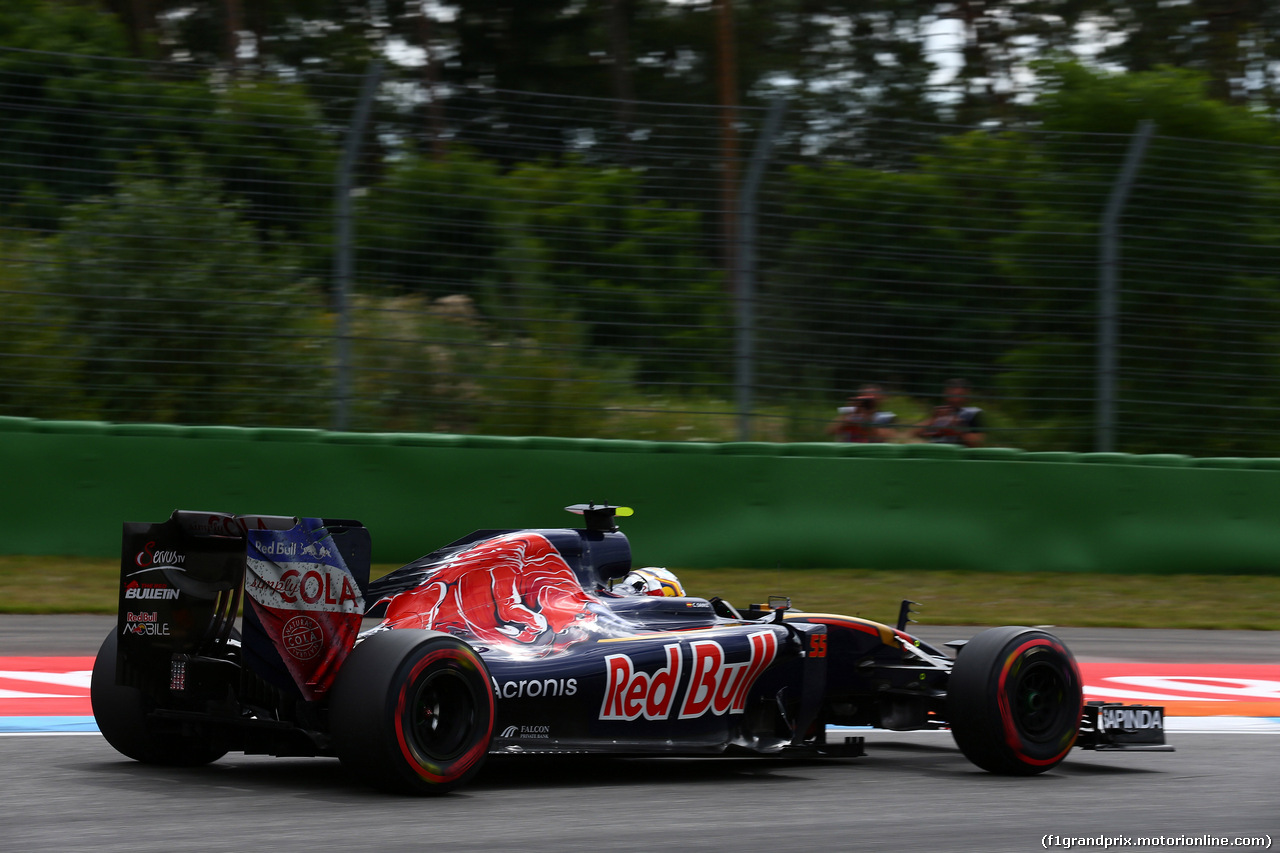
{"type": "Point", "coordinates": [514, 590]}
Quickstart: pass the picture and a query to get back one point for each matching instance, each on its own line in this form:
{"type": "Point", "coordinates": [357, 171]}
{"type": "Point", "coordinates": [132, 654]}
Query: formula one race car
{"type": "Point", "coordinates": [534, 641]}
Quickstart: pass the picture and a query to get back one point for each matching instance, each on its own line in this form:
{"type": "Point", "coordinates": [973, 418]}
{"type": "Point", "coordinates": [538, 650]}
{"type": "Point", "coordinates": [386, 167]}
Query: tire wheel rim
{"type": "Point", "coordinates": [1037, 700]}
{"type": "Point", "coordinates": [442, 715]}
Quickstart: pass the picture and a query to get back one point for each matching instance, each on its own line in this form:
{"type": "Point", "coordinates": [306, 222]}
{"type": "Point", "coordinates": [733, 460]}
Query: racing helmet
{"type": "Point", "coordinates": [648, 581]}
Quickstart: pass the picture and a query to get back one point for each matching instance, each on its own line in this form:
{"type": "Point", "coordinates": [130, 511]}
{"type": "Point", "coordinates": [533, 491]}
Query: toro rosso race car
{"type": "Point", "coordinates": [247, 633]}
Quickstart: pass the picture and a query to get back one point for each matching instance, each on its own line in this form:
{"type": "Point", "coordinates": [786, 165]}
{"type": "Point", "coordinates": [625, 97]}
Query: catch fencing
{"type": "Point", "coordinates": [193, 245]}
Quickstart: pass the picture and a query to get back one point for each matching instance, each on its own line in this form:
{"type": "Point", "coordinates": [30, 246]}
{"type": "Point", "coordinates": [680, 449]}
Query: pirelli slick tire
{"type": "Point", "coordinates": [121, 715]}
{"type": "Point", "coordinates": [1014, 700]}
{"type": "Point", "coordinates": [412, 712]}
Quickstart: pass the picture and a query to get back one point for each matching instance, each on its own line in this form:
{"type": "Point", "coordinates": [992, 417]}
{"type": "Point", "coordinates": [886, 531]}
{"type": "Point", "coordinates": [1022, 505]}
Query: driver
{"type": "Point", "coordinates": [648, 581]}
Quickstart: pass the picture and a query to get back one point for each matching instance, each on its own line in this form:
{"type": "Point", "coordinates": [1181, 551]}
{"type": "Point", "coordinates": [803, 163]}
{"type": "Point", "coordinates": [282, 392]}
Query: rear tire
{"type": "Point", "coordinates": [1014, 701]}
{"type": "Point", "coordinates": [412, 712]}
{"type": "Point", "coordinates": [121, 714]}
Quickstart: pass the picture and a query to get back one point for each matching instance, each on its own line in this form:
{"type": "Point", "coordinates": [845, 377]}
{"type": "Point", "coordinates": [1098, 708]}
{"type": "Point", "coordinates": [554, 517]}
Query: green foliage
{"type": "Point", "coordinates": [429, 226]}
{"type": "Point", "coordinates": [885, 244]}
{"type": "Point", "coordinates": [978, 230]}
{"type": "Point", "coordinates": [545, 247]}
{"type": "Point", "coordinates": [1078, 99]}
{"type": "Point", "coordinates": [597, 288]}
{"type": "Point", "coordinates": [285, 174]}
{"type": "Point", "coordinates": [437, 366]}
{"type": "Point", "coordinates": [1233, 46]}
{"type": "Point", "coordinates": [1173, 284]}
{"type": "Point", "coordinates": [534, 388]}
{"type": "Point", "coordinates": [413, 363]}
{"type": "Point", "coordinates": [69, 119]}
{"type": "Point", "coordinates": [38, 373]}
{"type": "Point", "coordinates": [74, 28]}
{"type": "Point", "coordinates": [626, 267]}
{"type": "Point", "coordinates": [52, 107]}
{"type": "Point", "coordinates": [841, 60]}
{"type": "Point", "coordinates": [171, 309]}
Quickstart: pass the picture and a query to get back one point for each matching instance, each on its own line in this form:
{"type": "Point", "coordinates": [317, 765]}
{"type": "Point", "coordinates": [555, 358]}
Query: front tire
{"type": "Point", "coordinates": [412, 712]}
{"type": "Point", "coordinates": [1014, 701]}
{"type": "Point", "coordinates": [121, 714]}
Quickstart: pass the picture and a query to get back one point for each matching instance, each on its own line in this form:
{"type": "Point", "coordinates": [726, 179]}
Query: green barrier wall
{"type": "Point", "coordinates": [68, 486]}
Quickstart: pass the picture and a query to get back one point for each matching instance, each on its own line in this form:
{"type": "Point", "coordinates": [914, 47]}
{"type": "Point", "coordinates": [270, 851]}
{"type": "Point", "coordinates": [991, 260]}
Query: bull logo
{"type": "Point", "coordinates": [510, 590]}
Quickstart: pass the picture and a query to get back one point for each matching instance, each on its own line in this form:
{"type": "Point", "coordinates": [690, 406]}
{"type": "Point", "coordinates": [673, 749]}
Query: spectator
{"type": "Point", "coordinates": [954, 422]}
{"type": "Point", "coordinates": [863, 421]}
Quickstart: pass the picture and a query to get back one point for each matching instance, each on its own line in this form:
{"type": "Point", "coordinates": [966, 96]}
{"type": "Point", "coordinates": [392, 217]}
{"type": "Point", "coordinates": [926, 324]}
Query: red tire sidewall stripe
{"type": "Point", "coordinates": [1011, 736]}
{"type": "Point", "coordinates": [460, 765]}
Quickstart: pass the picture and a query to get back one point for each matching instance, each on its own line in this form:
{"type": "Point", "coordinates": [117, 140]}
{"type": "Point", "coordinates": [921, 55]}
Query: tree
{"type": "Point", "coordinates": [432, 227]}
{"type": "Point", "coordinates": [38, 374]}
{"type": "Point", "coordinates": [981, 258]}
{"type": "Point", "coordinates": [55, 80]}
{"type": "Point", "coordinates": [267, 144]}
{"type": "Point", "coordinates": [545, 246]}
{"type": "Point", "coordinates": [965, 61]}
{"type": "Point", "coordinates": [625, 267]}
{"type": "Point", "coordinates": [1198, 237]}
{"type": "Point", "coordinates": [175, 313]}
{"type": "Point", "coordinates": [1234, 44]}
{"type": "Point", "coordinates": [890, 279]}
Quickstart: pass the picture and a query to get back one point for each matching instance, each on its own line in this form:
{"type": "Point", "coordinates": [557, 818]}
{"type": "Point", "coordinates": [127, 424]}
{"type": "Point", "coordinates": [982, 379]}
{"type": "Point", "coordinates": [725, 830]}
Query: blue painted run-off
{"type": "Point", "coordinates": [46, 725]}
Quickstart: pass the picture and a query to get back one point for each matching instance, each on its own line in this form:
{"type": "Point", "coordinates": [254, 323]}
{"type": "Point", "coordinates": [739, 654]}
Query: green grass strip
{"type": "Point", "coordinates": [78, 585]}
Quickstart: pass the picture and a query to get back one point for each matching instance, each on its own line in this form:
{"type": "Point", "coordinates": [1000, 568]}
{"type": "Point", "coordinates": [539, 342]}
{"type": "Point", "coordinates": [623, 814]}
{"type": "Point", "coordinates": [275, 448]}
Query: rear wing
{"type": "Point", "coordinates": [183, 583]}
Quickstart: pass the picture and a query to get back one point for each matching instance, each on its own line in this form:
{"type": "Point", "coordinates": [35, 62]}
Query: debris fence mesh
{"type": "Point", "coordinates": [519, 263]}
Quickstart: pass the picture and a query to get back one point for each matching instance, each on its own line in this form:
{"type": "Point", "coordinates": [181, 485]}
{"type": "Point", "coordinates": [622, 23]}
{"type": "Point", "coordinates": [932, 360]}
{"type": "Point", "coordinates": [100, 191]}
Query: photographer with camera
{"type": "Point", "coordinates": [862, 421]}
{"type": "Point", "coordinates": [954, 422]}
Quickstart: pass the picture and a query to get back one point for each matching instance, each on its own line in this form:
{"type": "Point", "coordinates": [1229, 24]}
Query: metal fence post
{"type": "Point", "coordinates": [745, 293]}
{"type": "Point", "coordinates": [1108, 288]}
{"type": "Point", "coordinates": [342, 252]}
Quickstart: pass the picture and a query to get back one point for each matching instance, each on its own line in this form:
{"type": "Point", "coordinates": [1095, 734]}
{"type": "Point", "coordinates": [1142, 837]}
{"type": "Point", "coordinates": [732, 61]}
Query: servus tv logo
{"type": "Point", "coordinates": [150, 558]}
{"type": "Point", "coordinates": [714, 686]}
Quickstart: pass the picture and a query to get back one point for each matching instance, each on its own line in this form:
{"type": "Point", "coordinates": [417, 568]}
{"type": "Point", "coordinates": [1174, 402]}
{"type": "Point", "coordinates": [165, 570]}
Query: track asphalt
{"type": "Point", "coordinates": [912, 791]}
